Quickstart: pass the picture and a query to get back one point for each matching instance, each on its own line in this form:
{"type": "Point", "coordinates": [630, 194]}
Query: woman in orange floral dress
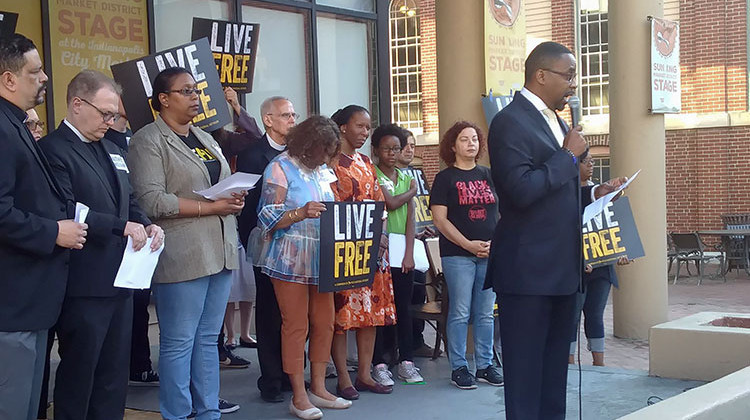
{"type": "Point", "coordinates": [361, 309]}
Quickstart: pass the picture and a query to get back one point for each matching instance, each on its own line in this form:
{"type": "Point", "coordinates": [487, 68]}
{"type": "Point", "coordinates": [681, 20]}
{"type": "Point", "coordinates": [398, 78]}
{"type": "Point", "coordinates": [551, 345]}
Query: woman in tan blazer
{"type": "Point", "coordinates": [169, 159]}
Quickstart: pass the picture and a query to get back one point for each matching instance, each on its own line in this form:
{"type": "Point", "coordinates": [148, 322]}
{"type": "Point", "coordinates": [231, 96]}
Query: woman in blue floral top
{"type": "Point", "coordinates": [294, 185]}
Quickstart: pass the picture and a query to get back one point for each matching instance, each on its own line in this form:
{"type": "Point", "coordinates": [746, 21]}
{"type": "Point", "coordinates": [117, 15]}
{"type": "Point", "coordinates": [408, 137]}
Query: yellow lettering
{"type": "Point", "coordinates": [358, 259]}
{"type": "Point", "coordinates": [243, 74]}
{"type": "Point", "coordinates": [586, 247]}
{"type": "Point", "coordinates": [605, 242]}
{"type": "Point", "coordinates": [226, 68]}
{"type": "Point", "coordinates": [338, 258]}
{"type": "Point", "coordinates": [349, 251]}
{"type": "Point", "coordinates": [594, 241]}
{"type": "Point", "coordinates": [616, 240]}
{"type": "Point", "coordinates": [208, 112]}
{"type": "Point", "coordinates": [366, 256]}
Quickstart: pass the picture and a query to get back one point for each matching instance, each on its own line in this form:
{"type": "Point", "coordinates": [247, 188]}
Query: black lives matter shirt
{"type": "Point", "coordinates": [472, 205]}
{"type": "Point", "coordinates": [204, 154]}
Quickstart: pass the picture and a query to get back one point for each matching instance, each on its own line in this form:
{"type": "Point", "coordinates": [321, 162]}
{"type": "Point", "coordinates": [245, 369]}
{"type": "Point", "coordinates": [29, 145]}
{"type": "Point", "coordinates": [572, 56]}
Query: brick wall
{"type": "Point", "coordinates": [707, 175]}
{"type": "Point", "coordinates": [428, 45]}
{"type": "Point", "coordinates": [430, 161]}
{"type": "Point", "coordinates": [713, 55]}
{"type": "Point", "coordinates": [563, 23]}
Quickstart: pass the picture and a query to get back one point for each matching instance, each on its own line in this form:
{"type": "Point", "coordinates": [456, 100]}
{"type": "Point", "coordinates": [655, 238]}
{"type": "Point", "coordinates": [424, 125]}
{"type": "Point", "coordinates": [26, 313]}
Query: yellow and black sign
{"type": "Point", "coordinates": [234, 46]}
{"type": "Point", "coordinates": [612, 234]}
{"type": "Point", "coordinates": [8, 22]}
{"type": "Point", "coordinates": [349, 242]}
{"type": "Point", "coordinates": [422, 211]}
{"type": "Point", "coordinates": [136, 77]}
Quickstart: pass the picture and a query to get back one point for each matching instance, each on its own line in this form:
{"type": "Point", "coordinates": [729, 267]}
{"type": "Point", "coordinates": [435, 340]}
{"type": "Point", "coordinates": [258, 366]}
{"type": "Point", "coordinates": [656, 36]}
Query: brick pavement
{"type": "Point", "coordinates": [685, 298]}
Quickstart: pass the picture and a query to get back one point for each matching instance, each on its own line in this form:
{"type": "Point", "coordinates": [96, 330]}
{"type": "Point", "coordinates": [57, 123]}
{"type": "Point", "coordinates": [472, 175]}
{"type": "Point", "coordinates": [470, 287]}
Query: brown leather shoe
{"type": "Point", "coordinates": [376, 388]}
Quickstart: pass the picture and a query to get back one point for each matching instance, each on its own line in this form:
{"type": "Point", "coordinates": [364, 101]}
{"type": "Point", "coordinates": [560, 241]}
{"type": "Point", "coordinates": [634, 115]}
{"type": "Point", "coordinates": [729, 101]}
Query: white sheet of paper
{"type": "Point", "coordinates": [598, 206]}
{"type": "Point", "coordinates": [397, 248]}
{"type": "Point", "coordinates": [137, 268]}
{"type": "Point", "coordinates": [238, 181]}
{"type": "Point", "coordinates": [82, 211]}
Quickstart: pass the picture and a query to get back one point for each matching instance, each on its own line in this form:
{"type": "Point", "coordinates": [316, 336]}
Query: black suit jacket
{"type": "Point", "coordinates": [93, 269]}
{"type": "Point", "coordinates": [536, 248]}
{"type": "Point", "coordinates": [34, 269]}
{"type": "Point", "coordinates": [253, 160]}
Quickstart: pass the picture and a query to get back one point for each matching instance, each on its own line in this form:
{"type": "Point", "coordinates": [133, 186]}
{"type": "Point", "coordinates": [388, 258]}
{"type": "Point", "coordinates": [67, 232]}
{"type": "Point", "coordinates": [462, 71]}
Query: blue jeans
{"type": "Point", "coordinates": [190, 316]}
{"type": "Point", "coordinates": [592, 302]}
{"type": "Point", "coordinates": [468, 302]}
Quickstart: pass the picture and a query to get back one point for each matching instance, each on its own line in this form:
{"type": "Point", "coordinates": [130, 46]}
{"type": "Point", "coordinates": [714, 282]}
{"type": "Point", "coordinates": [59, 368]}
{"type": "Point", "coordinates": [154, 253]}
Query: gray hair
{"type": "Point", "coordinates": [86, 83]}
{"type": "Point", "coordinates": [265, 107]}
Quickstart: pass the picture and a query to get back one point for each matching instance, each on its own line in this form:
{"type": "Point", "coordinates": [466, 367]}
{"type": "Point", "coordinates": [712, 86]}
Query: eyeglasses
{"type": "Point", "coordinates": [395, 149]}
{"type": "Point", "coordinates": [285, 115]}
{"type": "Point", "coordinates": [570, 77]}
{"type": "Point", "coordinates": [187, 91]}
{"type": "Point", "coordinates": [34, 124]}
{"type": "Point", "coordinates": [106, 116]}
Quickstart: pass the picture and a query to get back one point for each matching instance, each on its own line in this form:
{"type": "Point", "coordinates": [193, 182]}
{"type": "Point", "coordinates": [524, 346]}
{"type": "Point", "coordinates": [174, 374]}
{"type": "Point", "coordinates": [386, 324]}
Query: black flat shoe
{"type": "Point", "coordinates": [249, 344]}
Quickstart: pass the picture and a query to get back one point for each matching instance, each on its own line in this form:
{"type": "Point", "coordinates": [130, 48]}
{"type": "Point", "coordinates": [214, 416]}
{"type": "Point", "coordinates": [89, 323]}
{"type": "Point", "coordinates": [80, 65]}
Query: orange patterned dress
{"type": "Point", "coordinates": [373, 305]}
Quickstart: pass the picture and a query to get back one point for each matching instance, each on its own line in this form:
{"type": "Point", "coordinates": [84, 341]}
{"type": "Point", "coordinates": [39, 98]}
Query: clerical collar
{"type": "Point", "coordinates": [75, 130]}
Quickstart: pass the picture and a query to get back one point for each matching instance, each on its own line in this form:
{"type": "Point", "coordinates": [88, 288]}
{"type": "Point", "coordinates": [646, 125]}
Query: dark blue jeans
{"type": "Point", "coordinates": [592, 301]}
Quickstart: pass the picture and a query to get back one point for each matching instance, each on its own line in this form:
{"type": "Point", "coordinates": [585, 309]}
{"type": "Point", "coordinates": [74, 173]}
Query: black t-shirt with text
{"type": "Point", "coordinates": [204, 154]}
{"type": "Point", "coordinates": [472, 205]}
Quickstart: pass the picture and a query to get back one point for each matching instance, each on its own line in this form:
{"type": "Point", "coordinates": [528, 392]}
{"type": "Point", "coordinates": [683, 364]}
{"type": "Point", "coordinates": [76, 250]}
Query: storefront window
{"type": "Point", "coordinates": [346, 65]}
{"type": "Point", "coordinates": [283, 66]}
{"type": "Point", "coordinates": [167, 13]}
{"type": "Point", "coordinates": [359, 5]}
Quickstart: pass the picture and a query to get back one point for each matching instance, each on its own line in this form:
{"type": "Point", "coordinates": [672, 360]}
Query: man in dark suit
{"type": "Point", "coordinates": [278, 116]}
{"type": "Point", "coordinates": [34, 237]}
{"type": "Point", "coordinates": [95, 323]}
{"type": "Point", "coordinates": [536, 259]}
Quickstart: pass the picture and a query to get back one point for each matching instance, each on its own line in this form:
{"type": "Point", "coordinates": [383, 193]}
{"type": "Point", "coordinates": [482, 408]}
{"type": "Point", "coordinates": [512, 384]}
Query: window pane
{"type": "Point", "coordinates": [345, 58]}
{"type": "Point", "coordinates": [360, 5]}
{"type": "Point", "coordinates": [165, 11]}
{"type": "Point", "coordinates": [593, 34]}
{"type": "Point", "coordinates": [282, 67]}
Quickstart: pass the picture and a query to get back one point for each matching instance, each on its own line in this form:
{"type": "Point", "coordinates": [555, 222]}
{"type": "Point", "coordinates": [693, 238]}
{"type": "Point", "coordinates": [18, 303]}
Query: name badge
{"type": "Point", "coordinates": [119, 162]}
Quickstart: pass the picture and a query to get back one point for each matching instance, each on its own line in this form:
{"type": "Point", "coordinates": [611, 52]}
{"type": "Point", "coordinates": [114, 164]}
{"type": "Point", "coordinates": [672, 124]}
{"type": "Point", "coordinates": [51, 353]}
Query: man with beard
{"type": "Point", "coordinates": [96, 319]}
{"type": "Point", "coordinates": [34, 235]}
{"type": "Point", "coordinates": [536, 257]}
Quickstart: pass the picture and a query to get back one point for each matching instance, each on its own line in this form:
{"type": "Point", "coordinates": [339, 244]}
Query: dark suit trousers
{"type": "Point", "coordinates": [535, 332]}
{"type": "Point", "coordinates": [140, 348]}
{"type": "Point", "coordinates": [94, 338]}
{"type": "Point", "coordinates": [268, 333]}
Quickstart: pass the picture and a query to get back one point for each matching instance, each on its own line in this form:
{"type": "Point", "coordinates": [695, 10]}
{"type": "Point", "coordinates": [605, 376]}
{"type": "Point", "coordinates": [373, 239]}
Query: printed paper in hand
{"type": "Point", "coordinates": [598, 206]}
{"type": "Point", "coordinates": [137, 268]}
{"type": "Point", "coordinates": [397, 248]}
{"type": "Point", "coordinates": [239, 181]}
{"type": "Point", "coordinates": [82, 211]}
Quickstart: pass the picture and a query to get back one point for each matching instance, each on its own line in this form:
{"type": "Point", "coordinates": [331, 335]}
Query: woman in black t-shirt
{"type": "Point", "coordinates": [464, 209]}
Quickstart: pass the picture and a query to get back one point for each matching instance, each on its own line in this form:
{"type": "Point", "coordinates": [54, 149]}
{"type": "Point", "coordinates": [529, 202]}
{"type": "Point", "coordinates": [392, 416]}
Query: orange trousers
{"type": "Point", "coordinates": [304, 310]}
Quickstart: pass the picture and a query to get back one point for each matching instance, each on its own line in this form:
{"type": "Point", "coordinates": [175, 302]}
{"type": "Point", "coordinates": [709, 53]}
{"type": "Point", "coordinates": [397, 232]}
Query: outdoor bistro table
{"type": "Point", "coordinates": [726, 235]}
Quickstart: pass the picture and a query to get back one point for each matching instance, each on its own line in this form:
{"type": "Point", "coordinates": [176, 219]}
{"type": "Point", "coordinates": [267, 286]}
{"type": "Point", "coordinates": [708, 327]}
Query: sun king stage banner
{"type": "Point", "coordinates": [136, 77]}
{"type": "Point", "coordinates": [665, 66]}
{"type": "Point", "coordinates": [234, 47]}
{"type": "Point", "coordinates": [504, 45]}
{"type": "Point", "coordinates": [612, 234]}
{"type": "Point", "coordinates": [92, 34]}
{"type": "Point", "coordinates": [349, 243]}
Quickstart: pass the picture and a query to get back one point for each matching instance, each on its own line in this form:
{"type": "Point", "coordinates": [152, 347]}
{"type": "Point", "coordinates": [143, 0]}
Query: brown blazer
{"type": "Point", "coordinates": [163, 168]}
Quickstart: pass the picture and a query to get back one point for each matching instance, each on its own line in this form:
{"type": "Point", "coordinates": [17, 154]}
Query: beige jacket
{"type": "Point", "coordinates": [163, 168]}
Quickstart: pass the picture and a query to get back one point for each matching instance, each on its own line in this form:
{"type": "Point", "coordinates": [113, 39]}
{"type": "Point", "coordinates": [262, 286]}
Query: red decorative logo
{"type": "Point", "coordinates": [505, 12]}
{"type": "Point", "coordinates": [477, 214]}
{"type": "Point", "coordinates": [665, 36]}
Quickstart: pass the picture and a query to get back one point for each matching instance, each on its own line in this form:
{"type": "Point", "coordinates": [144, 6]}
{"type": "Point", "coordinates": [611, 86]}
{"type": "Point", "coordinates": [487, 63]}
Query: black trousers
{"type": "Point", "coordinates": [536, 333]}
{"type": "Point", "coordinates": [94, 338]}
{"type": "Point", "coordinates": [403, 284]}
{"type": "Point", "coordinates": [418, 297]}
{"type": "Point", "coordinates": [140, 348]}
{"type": "Point", "coordinates": [44, 397]}
{"type": "Point", "coordinates": [268, 333]}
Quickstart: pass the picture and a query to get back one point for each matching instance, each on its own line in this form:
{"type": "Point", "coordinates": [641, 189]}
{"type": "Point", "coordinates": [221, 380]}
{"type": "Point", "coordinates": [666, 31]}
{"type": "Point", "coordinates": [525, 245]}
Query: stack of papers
{"type": "Point", "coordinates": [137, 268]}
{"type": "Point", "coordinates": [237, 182]}
{"type": "Point", "coordinates": [598, 206]}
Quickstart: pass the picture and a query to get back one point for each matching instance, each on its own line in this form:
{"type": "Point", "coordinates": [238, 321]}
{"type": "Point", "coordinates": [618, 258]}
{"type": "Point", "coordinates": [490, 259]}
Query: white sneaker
{"type": "Point", "coordinates": [409, 373]}
{"type": "Point", "coordinates": [382, 375]}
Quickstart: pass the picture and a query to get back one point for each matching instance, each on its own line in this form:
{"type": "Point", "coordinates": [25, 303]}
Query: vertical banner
{"type": "Point", "coordinates": [234, 47]}
{"type": "Point", "coordinates": [612, 234]}
{"type": "Point", "coordinates": [136, 77]}
{"type": "Point", "coordinates": [665, 67]}
{"type": "Point", "coordinates": [8, 22]}
{"type": "Point", "coordinates": [504, 45]}
{"type": "Point", "coordinates": [93, 34]}
{"type": "Point", "coordinates": [349, 244]}
{"type": "Point", "coordinates": [422, 211]}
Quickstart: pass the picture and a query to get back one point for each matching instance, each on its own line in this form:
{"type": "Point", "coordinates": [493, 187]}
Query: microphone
{"type": "Point", "coordinates": [575, 110]}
